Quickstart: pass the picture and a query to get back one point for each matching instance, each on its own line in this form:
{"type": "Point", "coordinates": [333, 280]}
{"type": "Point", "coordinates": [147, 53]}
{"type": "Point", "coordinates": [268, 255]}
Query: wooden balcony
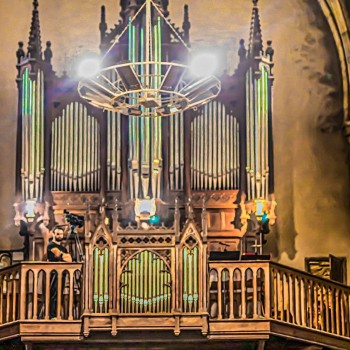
{"type": "Point", "coordinates": [255, 301]}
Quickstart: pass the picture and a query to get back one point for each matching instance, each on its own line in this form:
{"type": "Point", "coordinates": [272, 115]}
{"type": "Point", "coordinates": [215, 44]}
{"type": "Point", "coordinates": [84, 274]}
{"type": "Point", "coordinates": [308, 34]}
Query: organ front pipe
{"type": "Point", "coordinates": [42, 165]}
{"type": "Point", "coordinates": [162, 287]}
{"type": "Point", "coordinates": [23, 141]}
{"type": "Point", "coordinates": [131, 293]}
{"type": "Point", "coordinates": [54, 156]}
{"type": "Point", "coordinates": [71, 142]}
{"type": "Point", "coordinates": [75, 113]}
{"type": "Point", "coordinates": [150, 283]}
{"type": "Point", "coordinates": [109, 151]}
{"type": "Point", "coordinates": [105, 282]}
{"type": "Point", "coordinates": [27, 141]}
{"type": "Point", "coordinates": [129, 286]}
{"type": "Point", "coordinates": [195, 279]}
{"type": "Point", "coordinates": [98, 155]}
{"type": "Point", "coordinates": [195, 153]}
{"type": "Point", "coordinates": [206, 131]}
{"type": "Point", "coordinates": [154, 283]}
{"type": "Point", "coordinates": [224, 143]}
{"type": "Point", "coordinates": [81, 151]}
{"type": "Point", "coordinates": [37, 147]}
{"type": "Point", "coordinates": [219, 116]}
{"type": "Point", "coordinates": [157, 309]}
{"type": "Point", "coordinates": [89, 153]}
{"type": "Point", "coordinates": [182, 159]}
{"type": "Point", "coordinates": [172, 140]}
{"type": "Point", "coordinates": [32, 140]}
{"type": "Point", "coordinates": [201, 150]}
{"type": "Point", "coordinates": [215, 145]}
{"type": "Point", "coordinates": [65, 142]}
{"type": "Point", "coordinates": [86, 148]}
{"type": "Point", "coordinates": [234, 152]}
{"type": "Point", "coordinates": [93, 156]}
{"type": "Point", "coordinates": [210, 149]}
{"type": "Point", "coordinates": [100, 280]}
{"type": "Point", "coordinates": [230, 141]}
{"type": "Point", "coordinates": [184, 296]}
{"type": "Point", "coordinates": [113, 164]}
{"type": "Point", "coordinates": [190, 280]}
{"type": "Point", "coordinates": [119, 169]}
{"type": "Point", "coordinates": [198, 154]}
{"type": "Point", "coordinates": [237, 154]}
{"type": "Point", "coordinates": [141, 282]}
{"type": "Point", "coordinates": [177, 149]}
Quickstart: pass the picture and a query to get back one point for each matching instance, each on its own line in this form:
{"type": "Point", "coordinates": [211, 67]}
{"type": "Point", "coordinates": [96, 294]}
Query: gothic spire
{"type": "Point", "coordinates": [255, 38]}
{"type": "Point", "coordinates": [34, 44]}
{"type": "Point", "coordinates": [186, 25]}
{"type": "Point", "coordinates": [103, 26]}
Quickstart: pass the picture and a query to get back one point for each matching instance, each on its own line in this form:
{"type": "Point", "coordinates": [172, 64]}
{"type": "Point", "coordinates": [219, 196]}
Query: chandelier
{"type": "Point", "coordinates": [150, 86]}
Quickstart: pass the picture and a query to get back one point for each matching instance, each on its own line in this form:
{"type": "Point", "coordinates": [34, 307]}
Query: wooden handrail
{"type": "Point", "coordinates": [40, 290]}
{"type": "Point", "coordinates": [263, 289]}
{"type": "Point", "coordinates": [237, 290]}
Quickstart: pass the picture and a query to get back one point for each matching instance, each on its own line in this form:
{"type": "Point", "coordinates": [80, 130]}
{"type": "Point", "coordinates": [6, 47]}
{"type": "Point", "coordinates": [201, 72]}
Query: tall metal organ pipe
{"type": "Point", "coordinates": [75, 157]}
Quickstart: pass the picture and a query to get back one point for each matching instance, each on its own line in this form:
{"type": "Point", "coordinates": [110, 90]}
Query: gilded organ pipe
{"type": "Point", "coordinates": [32, 164]}
{"type": "Point", "coordinates": [146, 285]}
{"type": "Point", "coordinates": [75, 150]}
{"type": "Point", "coordinates": [214, 149]}
{"type": "Point", "coordinates": [257, 134]}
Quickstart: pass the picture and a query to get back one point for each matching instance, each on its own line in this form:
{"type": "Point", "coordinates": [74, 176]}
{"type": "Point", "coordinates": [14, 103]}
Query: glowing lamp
{"type": "Point", "coordinates": [204, 65]}
{"type": "Point", "coordinates": [88, 68]}
{"type": "Point", "coordinates": [145, 208]}
{"type": "Point", "coordinates": [30, 210]}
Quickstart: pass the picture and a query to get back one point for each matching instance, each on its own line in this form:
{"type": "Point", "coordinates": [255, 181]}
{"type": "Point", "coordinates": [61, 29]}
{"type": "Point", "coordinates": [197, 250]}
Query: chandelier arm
{"type": "Point", "coordinates": [121, 34]}
{"type": "Point", "coordinates": [166, 21]}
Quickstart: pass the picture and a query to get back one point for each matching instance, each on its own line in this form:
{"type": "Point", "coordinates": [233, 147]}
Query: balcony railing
{"type": "Point", "coordinates": [266, 290]}
{"type": "Point", "coordinates": [240, 294]}
{"type": "Point", "coordinates": [31, 291]}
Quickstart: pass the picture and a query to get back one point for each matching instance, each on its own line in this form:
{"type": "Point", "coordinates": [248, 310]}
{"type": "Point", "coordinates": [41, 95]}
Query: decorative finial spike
{"type": "Point", "coordinates": [34, 44]}
{"type": "Point", "coordinates": [255, 37]}
{"type": "Point", "coordinates": [186, 25]}
{"type": "Point", "coordinates": [48, 52]}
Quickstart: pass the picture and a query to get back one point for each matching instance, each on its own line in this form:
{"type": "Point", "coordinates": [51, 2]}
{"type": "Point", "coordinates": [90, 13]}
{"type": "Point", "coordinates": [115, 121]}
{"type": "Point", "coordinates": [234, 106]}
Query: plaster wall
{"type": "Point", "coordinates": [311, 160]}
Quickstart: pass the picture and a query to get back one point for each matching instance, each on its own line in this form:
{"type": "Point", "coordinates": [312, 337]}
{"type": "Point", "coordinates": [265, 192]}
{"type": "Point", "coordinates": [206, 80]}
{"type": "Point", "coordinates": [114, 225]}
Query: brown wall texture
{"type": "Point", "coordinates": [311, 167]}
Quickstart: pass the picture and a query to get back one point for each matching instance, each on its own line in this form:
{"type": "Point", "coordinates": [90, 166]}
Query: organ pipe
{"type": "Point", "coordinates": [146, 285]}
{"type": "Point", "coordinates": [176, 157]}
{"type": "Point", "coordinates": [190, 293]}
{"type": "Point", "coordinates": [75, 156]}
{"type": "Point", "coordinates": [214, 149]}
{"type": "Point", "coordinates": [257, 134]}
{"type": "Point", "coordinates": [32, 136]}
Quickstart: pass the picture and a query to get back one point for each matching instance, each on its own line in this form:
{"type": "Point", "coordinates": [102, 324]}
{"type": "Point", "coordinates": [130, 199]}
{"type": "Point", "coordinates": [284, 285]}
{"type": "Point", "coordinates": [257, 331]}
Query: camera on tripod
{"type": "Point", "coordinates": [73, 219]}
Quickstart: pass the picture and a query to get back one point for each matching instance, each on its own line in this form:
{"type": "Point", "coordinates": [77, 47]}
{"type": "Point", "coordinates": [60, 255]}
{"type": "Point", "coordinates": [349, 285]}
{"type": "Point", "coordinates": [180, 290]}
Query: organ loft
{"type": "Point", "coordinates": [163, 180]}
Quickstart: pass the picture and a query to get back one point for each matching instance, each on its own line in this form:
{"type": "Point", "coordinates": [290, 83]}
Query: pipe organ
{"type": "Point", "coordinates": [114, 166]}
{"type": "Point", "coordinates": [32, 135]}
{"type": "Point", "coordinates": [146, 285]}
{"type": "Point", "coordinates": [145, 133]}
{"type": "Point", "coordinates": [257, 115]}
{"type": "Point", "coordinates": [215, 162]}
{"type": "Point", "coordinates": [190, 171]}
{"type": "Point", "coordinates": [176, 152]}
{"type": "Point", "coordinates": [75, 159]}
